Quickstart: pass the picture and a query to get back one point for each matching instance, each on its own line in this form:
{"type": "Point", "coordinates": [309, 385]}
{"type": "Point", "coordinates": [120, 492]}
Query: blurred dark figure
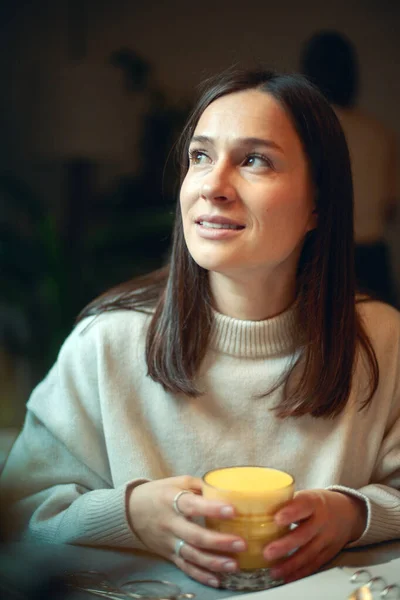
{"type": "Point", "coordinates": [329, 60]}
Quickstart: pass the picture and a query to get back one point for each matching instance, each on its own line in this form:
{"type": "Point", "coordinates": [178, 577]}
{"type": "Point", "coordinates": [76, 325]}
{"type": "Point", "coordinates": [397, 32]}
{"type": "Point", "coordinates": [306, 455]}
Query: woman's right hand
{"type": "Point", "coordinates": [204, 553]}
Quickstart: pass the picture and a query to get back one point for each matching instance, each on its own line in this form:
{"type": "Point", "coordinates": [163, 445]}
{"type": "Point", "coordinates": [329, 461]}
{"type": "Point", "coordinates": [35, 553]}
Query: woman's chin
{"type": "Point", "coordinates": [217, 266]}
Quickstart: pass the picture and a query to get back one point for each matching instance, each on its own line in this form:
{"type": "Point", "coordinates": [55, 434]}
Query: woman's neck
{"type": "Point", "coordinates": [250, 299]}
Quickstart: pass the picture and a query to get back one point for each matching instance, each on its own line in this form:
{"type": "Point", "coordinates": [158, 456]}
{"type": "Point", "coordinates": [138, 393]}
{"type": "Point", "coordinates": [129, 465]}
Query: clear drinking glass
{"type": "Point", "coordinates": [256, 493]}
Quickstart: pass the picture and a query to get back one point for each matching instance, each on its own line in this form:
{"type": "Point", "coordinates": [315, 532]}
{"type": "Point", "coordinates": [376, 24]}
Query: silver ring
{"type": "Point", "coordinates": [360, 576]}
{"type": "Point", "coordinates": [390, 588]}
{"type": "Point", "coordinates": [175, 501]}
{"type": "Point", "coordinates": [178, 547]}
{"type": "Point", "coordinates": [377, 584]}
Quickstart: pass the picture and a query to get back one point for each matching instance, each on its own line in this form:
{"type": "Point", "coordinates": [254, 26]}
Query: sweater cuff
{"type": "Point", "coordinates": [107, 521]}
{"type": "Point", "coordinates": [383, 515]}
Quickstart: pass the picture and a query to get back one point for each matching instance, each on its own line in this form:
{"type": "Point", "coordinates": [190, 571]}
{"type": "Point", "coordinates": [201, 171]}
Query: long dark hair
{"type": "Point", "coordinates": [332, 333]}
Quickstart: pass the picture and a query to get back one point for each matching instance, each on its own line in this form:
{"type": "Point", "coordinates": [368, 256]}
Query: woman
{"type": "Point", "coordinates": [248, 349]}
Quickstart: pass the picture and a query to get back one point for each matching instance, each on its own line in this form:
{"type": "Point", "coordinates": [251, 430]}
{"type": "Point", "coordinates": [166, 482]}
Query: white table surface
{"type": "Point", "coordinates": [22, 561]}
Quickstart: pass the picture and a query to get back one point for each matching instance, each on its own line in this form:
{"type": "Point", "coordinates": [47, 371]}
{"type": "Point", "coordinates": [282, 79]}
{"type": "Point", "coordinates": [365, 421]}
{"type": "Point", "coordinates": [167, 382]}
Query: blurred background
{"type": "Point", "coordinates": [93, 94]}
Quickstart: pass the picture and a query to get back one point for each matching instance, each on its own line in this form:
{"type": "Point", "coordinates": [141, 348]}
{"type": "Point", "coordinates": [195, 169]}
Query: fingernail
{"type": "Point", "coordinates": [226, 511]}
{"type": "Point", "coordinates": [229, 566]}
{"type": "Point", "coordinates": [213, 582]}
{"type": "Point", "coordinates": [238, 546]}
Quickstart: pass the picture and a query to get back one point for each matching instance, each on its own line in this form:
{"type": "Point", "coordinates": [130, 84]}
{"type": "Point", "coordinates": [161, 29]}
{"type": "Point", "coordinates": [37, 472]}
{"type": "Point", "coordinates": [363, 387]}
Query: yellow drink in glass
{"type": "Point", "coordinates": [256, 493]}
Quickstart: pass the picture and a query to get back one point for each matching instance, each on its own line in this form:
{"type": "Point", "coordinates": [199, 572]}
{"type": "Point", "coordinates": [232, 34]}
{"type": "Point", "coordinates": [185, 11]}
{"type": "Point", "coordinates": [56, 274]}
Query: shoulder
{"type": "Point", "coordinates": [117, 330]}
{"type": "Point", "coordinates": [382, 325]}
{"type": "Point", "coordinates": [110, 327]}
{"type": "Point", "coordinates": [359, 123]}
{"type": "Point", "coordinates": [372, 311]}
{"type": "Point", "coordinates": [98, 349]}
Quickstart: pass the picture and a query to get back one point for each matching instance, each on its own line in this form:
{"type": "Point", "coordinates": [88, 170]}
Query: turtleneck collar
{"type": "Point", "coordinates": [255, 339]}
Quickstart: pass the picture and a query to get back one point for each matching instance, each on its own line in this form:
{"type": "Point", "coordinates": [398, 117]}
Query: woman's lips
{"type": "Point", "coordinates": [214, 219]}
{"type": "Point", "coordinates": [218, 231]}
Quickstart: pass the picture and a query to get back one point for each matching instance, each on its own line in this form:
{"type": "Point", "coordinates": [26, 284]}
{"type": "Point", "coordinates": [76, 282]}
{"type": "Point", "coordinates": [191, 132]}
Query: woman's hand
{"type": "Point", "coordinates": [327, 521]}
{"type": "Point", "coordinates": [153, 518]}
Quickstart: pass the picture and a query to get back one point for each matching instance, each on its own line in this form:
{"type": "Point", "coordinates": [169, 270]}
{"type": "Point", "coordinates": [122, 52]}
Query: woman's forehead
{"type": "Point", "coordinates": [247, 114]}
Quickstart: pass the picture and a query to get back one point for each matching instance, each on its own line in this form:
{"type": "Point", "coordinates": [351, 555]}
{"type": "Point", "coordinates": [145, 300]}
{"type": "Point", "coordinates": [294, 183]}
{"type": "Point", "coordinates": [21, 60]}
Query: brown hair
{"type": "Point", "coordinates": [332, 331]}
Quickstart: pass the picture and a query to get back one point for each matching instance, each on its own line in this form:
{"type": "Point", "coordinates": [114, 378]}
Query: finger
{"type": "Point", "coordinates": [207, 560]}
{"type": "Point", "coordinates": [313, 555]}
{"type": "Point", "coordinates": [187, 482]}
{"type": "Point", "coordinates": [207, 539]}
{"type": "Point", "coordinates": [302, 507]}
{"type": "Point", "coordinates": [308, 569]}
{"type": "Point", "coordinates": [297, 538]}
{"type": "Point", "coordinates": [193, 505]}
{"type": "Point", "coordinates": [196, 573]}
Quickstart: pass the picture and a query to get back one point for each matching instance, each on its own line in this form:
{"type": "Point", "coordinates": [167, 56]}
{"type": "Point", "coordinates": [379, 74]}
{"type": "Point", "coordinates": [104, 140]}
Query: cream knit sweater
{"type": "Point", "coordinates": [98, 423]}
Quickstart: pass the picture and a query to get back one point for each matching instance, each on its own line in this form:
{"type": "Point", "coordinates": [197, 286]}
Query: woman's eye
{"type": "Point", "coordinates": [257, 160]}
{"type": "Point", "coordinates": [197, 157]}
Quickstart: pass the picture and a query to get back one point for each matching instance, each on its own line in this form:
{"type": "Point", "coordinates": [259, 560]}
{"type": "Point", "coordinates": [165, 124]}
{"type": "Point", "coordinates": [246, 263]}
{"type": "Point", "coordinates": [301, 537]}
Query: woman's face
{"type": "Point", "coordinates": [247, 198]}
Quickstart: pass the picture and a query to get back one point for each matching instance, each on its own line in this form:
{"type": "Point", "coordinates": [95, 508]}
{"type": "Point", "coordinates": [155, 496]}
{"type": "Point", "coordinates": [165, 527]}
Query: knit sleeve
{"type": "Point", "coordinates": [57, 475]}
{"type": "Point", "coordinates": [382, 493]}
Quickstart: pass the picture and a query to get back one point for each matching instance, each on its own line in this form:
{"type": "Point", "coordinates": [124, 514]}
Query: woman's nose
{"type": "Point", "coordinates": [218, 185]}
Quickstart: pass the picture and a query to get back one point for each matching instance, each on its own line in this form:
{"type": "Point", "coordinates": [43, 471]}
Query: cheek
{"type": "Point", "coordinates": [292, 200]}
{"type": "Point", "coordinates": [285, 217]}
{"type": "Point", "coordinates": [185, 204]}
{"type": "Point", "coordinates": [279, 207]}
{"type": "Point", "coordinates": [186, 195]}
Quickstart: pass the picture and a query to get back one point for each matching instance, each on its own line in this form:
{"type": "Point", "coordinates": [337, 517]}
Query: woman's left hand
{"type": "Point", "coordinates": [326, 521]}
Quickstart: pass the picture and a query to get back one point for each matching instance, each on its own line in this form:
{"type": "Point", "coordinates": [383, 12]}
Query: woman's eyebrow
{"type": "Point", "coordinates": [245, 141]}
